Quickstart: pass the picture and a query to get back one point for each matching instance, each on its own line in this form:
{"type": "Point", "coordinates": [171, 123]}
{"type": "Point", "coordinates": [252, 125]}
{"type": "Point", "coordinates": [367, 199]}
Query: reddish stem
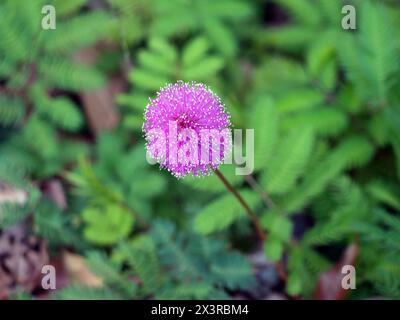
{"type": "Point", "coordinates": [253, 217]}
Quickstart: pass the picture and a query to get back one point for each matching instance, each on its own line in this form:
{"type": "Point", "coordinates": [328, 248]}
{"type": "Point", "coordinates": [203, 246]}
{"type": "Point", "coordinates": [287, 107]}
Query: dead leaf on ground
{"type": "Point", "coordinates": [22, 257]}
{"type": "Point", "coordinates": [9, 194]}
{"type": "Point", "coordinates": [79, 272]}
{"type": "Point", "coordinates": [329, 285]}
{"type": "Point", "coordinates": [99, 104]}
{"type": "Point", "coordinates": [55, 191]}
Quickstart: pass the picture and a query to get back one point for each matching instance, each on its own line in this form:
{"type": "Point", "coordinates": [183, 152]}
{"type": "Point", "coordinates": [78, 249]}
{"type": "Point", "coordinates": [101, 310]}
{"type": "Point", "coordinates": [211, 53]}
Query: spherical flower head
{"type": "Point", "coordinates": [187, 129]}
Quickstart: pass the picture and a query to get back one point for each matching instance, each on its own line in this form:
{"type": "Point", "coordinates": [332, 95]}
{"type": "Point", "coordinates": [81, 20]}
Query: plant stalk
{"type": "Point", "coordinates": [253, 217]}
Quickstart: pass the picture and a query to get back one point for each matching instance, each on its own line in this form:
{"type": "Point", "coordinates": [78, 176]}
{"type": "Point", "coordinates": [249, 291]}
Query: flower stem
{"type": "Point", "coordinates": [253, 217]}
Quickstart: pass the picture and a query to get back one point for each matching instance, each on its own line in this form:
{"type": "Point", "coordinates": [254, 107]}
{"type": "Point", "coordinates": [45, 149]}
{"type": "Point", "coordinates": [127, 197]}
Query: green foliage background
{"type": "Point", "coordinates": [324, 103]}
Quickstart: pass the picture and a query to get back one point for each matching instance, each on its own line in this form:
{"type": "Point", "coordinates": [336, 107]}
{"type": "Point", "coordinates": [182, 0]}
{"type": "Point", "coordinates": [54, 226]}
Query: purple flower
{"type": "Point", "coordinates": [187, 129]}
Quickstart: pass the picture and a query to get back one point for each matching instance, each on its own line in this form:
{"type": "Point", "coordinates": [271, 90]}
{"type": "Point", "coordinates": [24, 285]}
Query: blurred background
{"type": "Point", "coordinates": [77, 194]}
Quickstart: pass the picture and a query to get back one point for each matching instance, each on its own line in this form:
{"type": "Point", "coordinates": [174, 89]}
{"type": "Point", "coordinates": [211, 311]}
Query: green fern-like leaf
{"type": "Point", "coordinates": [65, 8]}
{"type": "Point", "coordinates": [352, 152]}
{"type": "Point", "coordinates": [303, 11]}
{"type": "Point", "coordinates": [289, 161]}
{"type": "Point", "coordinates": [81, 292]}
{"type": "Point", "coordinates": [61, 111]}
{"type": "Point", "coordinates": [11, 111]}
{"type": "Point", "coordinates": [214, 19]}
{"type": "Point", "coordinates": [107, 225]}
{"type": "Point", "coordinates": [172, 252]}
{"type": "Point", "coordinates": [278, 75]}
{"type": "Point", "coordinates": [54, 225]}
{"type": "Point", "coordinates": [200, 290]}
{"type": "Point", "coordinates": [381, 56]}
{"type": "Point", "coordinates": [288, 38]}
{"type": "Point", "coordinates": [233, 271]}
{"type": "Point", "coordinates": [102, 266]}
{"type": "Point", "coordinates": [264, 121]}
{"type": "Point", "coordinates": [66, 75]}
{"type": "Point", "coordinates": [88, 184]}
{"type": "Point", "coordinates": [77, 32]}
{"type": "Point", "coordinates": [142, 257]}
{"type": "Point", "coordinates": [221, 213]}
{"type": "Point", "coordinates": [323, 121]}
{"type": "Point", "coordinates": [298, 100]}
{"type": "Point", "coordinates": [372, 62]}
{"type": "Point", "coordinates": [384, 193]}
